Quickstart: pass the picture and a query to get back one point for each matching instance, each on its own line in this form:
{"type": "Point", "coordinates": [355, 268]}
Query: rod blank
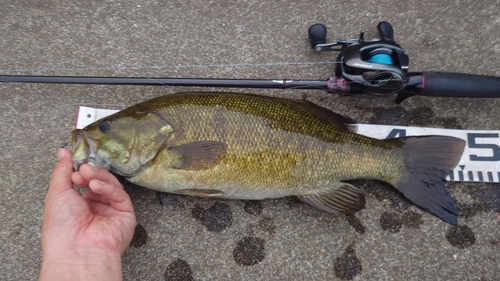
{"type": "Point", "coordinates": [146, 81]}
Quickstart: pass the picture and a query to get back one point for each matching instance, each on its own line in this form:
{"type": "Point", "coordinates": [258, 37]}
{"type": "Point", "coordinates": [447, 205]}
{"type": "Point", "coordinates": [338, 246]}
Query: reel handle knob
{"type": "Point", "coordinates": [385, 30]}
{"type": "Point", "coordinates": [317, 35]}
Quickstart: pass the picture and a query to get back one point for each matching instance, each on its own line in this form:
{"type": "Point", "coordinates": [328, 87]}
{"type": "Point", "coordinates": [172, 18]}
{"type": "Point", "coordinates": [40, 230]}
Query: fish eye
{"type": "Point", "coordinates": [104, 126]}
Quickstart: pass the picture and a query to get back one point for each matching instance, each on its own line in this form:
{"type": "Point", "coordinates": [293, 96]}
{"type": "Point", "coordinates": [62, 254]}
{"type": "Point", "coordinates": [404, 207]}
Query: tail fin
{"type": "Point", "coordinates": [428, 160]}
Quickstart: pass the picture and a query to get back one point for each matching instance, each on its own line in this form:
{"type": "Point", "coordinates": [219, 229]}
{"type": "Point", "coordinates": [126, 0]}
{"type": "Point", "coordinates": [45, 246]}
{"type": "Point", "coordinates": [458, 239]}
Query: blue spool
{"type": "Point", "coordinates": [381, 59]}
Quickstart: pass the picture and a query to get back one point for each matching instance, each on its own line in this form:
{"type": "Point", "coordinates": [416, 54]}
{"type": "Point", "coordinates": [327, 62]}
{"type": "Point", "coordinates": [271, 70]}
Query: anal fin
{"type": "Point", "coordinates": [342, 198]}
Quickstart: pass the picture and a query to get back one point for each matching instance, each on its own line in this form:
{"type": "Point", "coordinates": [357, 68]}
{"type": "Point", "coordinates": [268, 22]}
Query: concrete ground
{"type": "Point", "coordinates": [195, 239]}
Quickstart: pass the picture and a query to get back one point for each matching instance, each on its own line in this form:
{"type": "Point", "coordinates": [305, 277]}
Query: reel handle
{"type": "Point", "coordinates": [386, 31]}
{"type": "Point", "coordinates": [317, 35]}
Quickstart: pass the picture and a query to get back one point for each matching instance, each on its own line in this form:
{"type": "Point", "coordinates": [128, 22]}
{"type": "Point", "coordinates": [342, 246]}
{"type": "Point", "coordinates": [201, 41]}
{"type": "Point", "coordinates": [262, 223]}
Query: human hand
{"type": "Point", "coordinates": [85, 233]}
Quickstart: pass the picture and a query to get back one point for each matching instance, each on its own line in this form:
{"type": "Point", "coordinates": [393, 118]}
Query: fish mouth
{"type": "Point", "coordinates": [84, 149]}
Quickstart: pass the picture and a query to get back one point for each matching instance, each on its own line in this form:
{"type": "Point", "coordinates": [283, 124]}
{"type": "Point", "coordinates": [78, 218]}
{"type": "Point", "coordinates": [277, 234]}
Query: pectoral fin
{"type": "Point", "coordinates": [198, 155]}
{"type": "Point", "coordinates": [205, 193]}
{"type": "Point", "coordinates": [343, 198]}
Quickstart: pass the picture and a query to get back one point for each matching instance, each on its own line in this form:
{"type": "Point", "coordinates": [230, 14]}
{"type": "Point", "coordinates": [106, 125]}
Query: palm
{"type": "Point", "coordinates": [84, 236]}
{"type": "Point", "coordinates": [98, 224]}
{"type": "Point", "coordinates": [99, 219]}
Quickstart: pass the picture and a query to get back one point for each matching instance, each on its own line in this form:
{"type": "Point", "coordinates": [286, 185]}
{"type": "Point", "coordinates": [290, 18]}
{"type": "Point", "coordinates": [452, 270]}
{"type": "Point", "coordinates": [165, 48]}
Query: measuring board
{"type": "Point", "coordinates": [480, 161]}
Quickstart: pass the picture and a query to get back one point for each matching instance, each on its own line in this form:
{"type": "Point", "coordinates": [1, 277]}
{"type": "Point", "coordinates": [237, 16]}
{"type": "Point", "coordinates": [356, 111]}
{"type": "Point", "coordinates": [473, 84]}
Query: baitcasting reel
{"type": "Point", "coordinates": [378, 66]}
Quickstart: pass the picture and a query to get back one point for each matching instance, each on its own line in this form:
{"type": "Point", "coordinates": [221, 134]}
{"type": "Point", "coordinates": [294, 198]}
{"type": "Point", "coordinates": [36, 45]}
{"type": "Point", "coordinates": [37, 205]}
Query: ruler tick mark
{"type": "Point", "coordinates": [480, 175]}
{"type": "Point", "coordinates": [470, 175]}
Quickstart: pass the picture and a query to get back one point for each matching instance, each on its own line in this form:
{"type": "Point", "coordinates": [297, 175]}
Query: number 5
{"type": "Point", "coordinates": [471, 140]}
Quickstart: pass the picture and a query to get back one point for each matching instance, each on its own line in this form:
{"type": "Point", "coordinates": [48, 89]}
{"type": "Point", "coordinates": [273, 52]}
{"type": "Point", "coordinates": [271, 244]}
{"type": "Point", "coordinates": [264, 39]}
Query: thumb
{"type": "Point", "coordinates": [61, 174]}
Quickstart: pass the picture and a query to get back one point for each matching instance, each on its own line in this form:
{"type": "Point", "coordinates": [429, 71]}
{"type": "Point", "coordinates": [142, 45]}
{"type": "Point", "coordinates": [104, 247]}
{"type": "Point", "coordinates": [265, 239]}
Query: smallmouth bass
{"type": "Point", "coordinates": [241, 146]}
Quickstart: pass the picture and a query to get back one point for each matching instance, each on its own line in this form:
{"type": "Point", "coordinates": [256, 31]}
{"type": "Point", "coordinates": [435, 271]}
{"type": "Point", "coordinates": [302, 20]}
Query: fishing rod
{"type": "Point", "coordinates": [378, 66]}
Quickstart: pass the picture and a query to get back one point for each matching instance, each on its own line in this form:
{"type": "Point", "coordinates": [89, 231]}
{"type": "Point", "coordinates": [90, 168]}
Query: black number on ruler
{"type": "Point", "coordinates": [471, 141]}
{"type": "Point", "coordinates": [396, 133]}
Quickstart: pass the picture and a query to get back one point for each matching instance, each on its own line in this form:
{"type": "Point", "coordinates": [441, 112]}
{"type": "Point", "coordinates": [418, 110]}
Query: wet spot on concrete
{"type": "Point", "coordinates": [267, 224]}
{"type": "Point", "coordinates": [250, 229]}
{"type": "Point", "coordinates": [486, 198]}
{"type": "Point", "coordinates": [488, 195]}
{"type": "Point", "coordinates": [249, 251]}
{"type": "Point", "coordinates": [253, 207]}
{"type": "Point", "coordinates": [348, 265]}
{"type": "Point", "coordinates": [461, 236]}
{"type": "Point", "coordinates": [469, 210]}
{"type": "Point", "coordinates": [390, 116]}
{"type": "Point", "coordinates": [140, 237]}
{"type": "Point", "coordinates": [168, 199]}
{"type": "Point", "coordinates": [449, 123]}
{"type": "Point", "coordinates": [420, 116]}
{"type": "Point", "coordinates": [391, 222]}
{"type": "Point", "coordinates": [292, 201]}
{"type": "Point", "coordinates": [355, 223]}
{"type": "Point", "coordinates": [424, 116]}
{"type": "Point", "coordinates": [383, 191]}
{"type": "Point", "coordinates": [178, 270]}
{"type": "Point", "coordinates": [412, 219]}
{"type": "Point", "coordinates": [16, 230]}
{"type": "Point", "coordinates": [216, 218]}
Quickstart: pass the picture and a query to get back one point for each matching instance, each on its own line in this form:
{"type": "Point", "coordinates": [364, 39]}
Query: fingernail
{"type": "Point", "coordinates": [60, 153]}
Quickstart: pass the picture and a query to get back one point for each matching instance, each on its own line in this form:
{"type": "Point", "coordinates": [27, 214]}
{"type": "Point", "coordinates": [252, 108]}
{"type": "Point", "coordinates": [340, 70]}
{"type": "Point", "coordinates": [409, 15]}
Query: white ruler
{"type": "Point", "coordinates": [480, 161]}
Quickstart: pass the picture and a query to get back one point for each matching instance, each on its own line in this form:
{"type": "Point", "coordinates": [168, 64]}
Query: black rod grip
{"type": "Point", "coordinates": [459, 85]}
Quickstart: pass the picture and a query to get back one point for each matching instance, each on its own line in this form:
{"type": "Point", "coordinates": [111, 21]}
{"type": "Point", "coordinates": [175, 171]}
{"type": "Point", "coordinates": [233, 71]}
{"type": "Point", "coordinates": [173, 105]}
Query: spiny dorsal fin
{"type": "Point", "coordinates": [342, 198]}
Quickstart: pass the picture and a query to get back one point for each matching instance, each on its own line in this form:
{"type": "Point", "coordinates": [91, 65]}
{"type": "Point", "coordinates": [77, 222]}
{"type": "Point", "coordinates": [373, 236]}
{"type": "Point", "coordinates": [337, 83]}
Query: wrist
{"type": "Point", "coordinates": [81, 264]}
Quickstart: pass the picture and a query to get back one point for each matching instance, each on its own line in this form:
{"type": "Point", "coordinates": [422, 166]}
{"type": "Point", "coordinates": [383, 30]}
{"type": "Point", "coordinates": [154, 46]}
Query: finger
{"type": "Point", "coordinates": [89, 194]}
{"type": "Point", "coordinates": [118, 198]}
{"type": "Point", "coordinates": [78, 179]}
{"type": "Point", "coordinates": [92, 196]}
{"type": "Point", "coordinates": [61, 174]}
{"type": "Point", "coordinates": [89, 173]}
